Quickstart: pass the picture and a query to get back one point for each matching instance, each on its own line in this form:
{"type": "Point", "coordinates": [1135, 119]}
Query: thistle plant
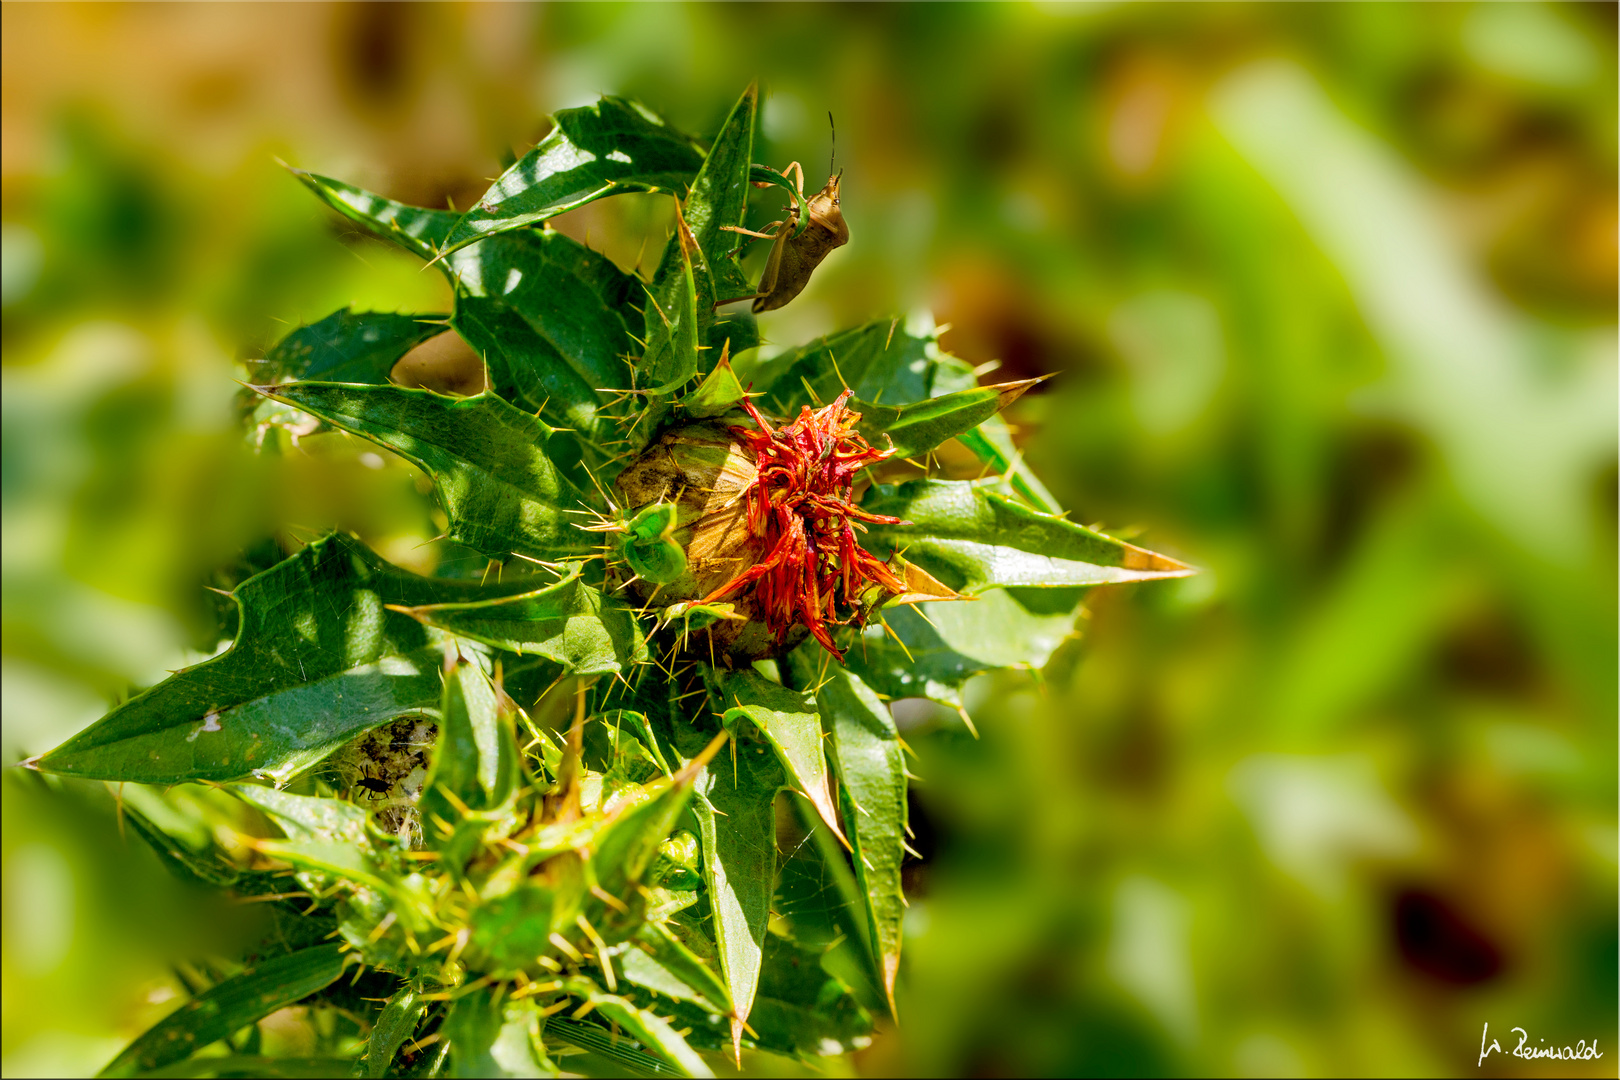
{"type": "Point", "coordinates": [528, 821]}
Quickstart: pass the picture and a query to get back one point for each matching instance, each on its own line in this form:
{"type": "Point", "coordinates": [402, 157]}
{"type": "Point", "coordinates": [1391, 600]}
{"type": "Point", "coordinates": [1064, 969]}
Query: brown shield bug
{"type": "Point", "coordinates": [795, 253]}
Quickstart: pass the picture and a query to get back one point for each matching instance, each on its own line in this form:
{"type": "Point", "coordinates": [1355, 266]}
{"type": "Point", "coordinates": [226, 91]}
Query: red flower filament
{"type": "Point", "coordinates": [814, 570]}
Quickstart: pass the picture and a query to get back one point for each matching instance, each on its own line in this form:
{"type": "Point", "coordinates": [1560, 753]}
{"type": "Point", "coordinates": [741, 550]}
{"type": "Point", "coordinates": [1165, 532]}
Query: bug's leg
{"type": "Point", "coordinates": [750, 232]}
{"type": "Point", "coordinates": [781, 229]}
{"type": "Point", "coordinates": [798, 174]}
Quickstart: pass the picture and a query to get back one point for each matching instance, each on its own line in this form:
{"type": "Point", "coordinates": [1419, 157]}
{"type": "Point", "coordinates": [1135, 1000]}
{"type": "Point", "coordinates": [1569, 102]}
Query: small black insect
{"type": "Point", "coordinates": [375, 785]}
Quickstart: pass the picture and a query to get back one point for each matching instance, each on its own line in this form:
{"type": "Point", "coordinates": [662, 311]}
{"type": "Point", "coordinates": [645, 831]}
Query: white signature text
{"type": "Point", "coordinates": [1579, 1052]}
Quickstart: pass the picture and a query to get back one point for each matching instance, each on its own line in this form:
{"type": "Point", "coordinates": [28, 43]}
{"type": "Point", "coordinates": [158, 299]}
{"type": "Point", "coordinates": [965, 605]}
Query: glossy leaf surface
{"type": "Point", "coordinates": [919, 427]}
{"type": "Point", "coordinates": [931, 652]}
{"type": "Point", "coordinates": [866, 752]}
{"type": "Point", "coordinates": [624, 850]}
{"type": "Point", "coordinates": [489, 461]}
{"type": "Point", "coordinates": [607, 148]}
{"type": "Point", "coordinates": [886, 362]}
{"type": "Point", "coordinates": [346, 347]}
{"type": "Point", "coordinates": [737, 826]}
{"type": "Point", "coordinates": [672, 319]}
{"type": "Point", "coordinates": [416, 229]}
{"type": "Point", "coordinates": [719, 196]}
{"type": "Point", "coordinates": [790, 724]}
{"type": "Point", "coordinates": [569, 622]}
{"type": "Point", "coordinates": [679, 971]}
{"type": "Point", "coordinates": [973, 538]}
{"type": "Point", "coordinates": [306, 816]}
{"type": "Point", "coordinates": [718, 393]}
{"type": "Point", "coordinates": [474, 764]}
{"type": "Point", "coordinates": [319, 658]}
{"type": "Point", "coordinates": [548, 316]}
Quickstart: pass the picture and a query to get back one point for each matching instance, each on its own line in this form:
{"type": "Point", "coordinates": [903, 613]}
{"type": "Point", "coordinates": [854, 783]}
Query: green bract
{"type": "Point", "coordinates": [537, 814]}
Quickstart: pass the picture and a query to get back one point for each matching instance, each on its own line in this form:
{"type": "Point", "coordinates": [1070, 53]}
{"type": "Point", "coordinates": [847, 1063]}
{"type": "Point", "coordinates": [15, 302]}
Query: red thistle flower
{"type": "Point", "coordinates": [814, 569]}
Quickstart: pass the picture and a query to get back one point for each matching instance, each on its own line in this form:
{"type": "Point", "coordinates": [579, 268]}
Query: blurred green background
{"type": "Point", "coordinates": [1330, 295]}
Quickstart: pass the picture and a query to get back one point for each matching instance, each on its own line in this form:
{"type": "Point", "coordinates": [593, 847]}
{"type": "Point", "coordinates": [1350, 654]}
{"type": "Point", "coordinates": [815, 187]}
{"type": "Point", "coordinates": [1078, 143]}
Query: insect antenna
{"type": "Point", "coordinates": [832, 157]}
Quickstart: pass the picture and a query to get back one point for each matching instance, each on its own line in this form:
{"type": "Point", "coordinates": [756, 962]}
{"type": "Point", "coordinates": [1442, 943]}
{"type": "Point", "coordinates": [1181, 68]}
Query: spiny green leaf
{"type": "Point", "coordinates": [932, 650]}
{"type": "Point", "coordinates": [319, 659]}
{"type": "Point", "coordinates": [511, 930]}
{"type": "Point", "coordinates": [548, 316]}
{"type": "Point", "coordinates": [327, 859]}
{"type": "Point", "coordinates": [654, 522]}
{"type": "Point", "coordinates": [628, 718]}
{"type": "Point", "coordinates": [490, 461]}
{"type": "Point", "coordinates": [624, 850]}
{"type": "Point", "coordinates": [821, 903]}
{"type": "Point", "coordinates": [973, 538]}
{"type": "Point", "coordinates": [672, 320]}
{"type": "Point", "coordinates": [918, 428]}
{"type": "Point", "coordinates": [791, 725]}
{"type": "Point", "coordinates": [277, 734]}
{"type": "Point", "coordinates": [394, 1025]}
{"type": "Point", "coordinates": [243, 999]}
{"type": "Point", "coordinates": [611, 747]}
{"type": "Point", "coordinates": [887, 362]}
{"type": "Point", "coordinates": [991, 442]}
{"type": "Point", "coordinates": [719, 197]}
{"type": "Point", "coordinates": [911, 659]}
{"type": "Point", "coordinates": [665, 901]}
{"type": "Point", "coordinates": [346, 346]}
{"type": "Point", "coordinates": [649, 973]}
{"type": "Point", "coordinates": [305, 816]}
{"type": "Point", "coordinates": [866, 752]}
{"type": "Point", "coordinates": [656, 560]}
{"type": "Point", "coordinates": [661, 962]}
{"type": "Point", "coordinates": [418, 230]}
{"type": "Point", "coordinates": [1008, 627]}
{"type": "Point", "coordinates": [689, 616]}
{"type": "Point", "coordinates": [649, 1030]}
{"type": "Point", "coordinates": [739, 864]}
{"type": "Point", "coordinates": [475, 762]}
{"type": "Point", "coordinates": [816, 892]}
{"type": "Point", "coordinates": [577, 626]}
{"type": "Point", "coordinates": [324, 836]}
{"type": "Point", "coordinates": [718, 393]}
{"type": "Point", "coordinates": [608, 148]}
{"type": "Point", "coordinates": [737, 331]}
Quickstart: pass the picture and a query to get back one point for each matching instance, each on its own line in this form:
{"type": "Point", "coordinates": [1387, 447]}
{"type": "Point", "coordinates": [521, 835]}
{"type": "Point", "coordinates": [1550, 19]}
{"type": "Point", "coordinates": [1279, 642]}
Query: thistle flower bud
{"type": "Point", "coordinates": [703, 471]}
{"type": "Point", "coordinates": [765, 517]}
